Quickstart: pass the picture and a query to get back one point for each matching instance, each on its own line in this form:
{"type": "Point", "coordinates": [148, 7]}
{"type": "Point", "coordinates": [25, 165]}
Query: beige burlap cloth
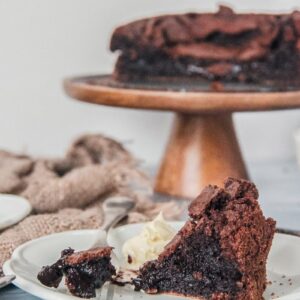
{"type": "Point", "coordinates": [67, 193]}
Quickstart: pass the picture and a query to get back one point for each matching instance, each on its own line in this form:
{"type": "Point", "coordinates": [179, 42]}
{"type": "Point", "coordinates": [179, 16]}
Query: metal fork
{"type": "Point", "coordinates": [115, 209]}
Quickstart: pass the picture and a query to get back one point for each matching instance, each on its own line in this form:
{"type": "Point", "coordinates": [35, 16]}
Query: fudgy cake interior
{"type": "Point", "coordinates": [205, 270]}
{"type": "Point", "coordinates": [225, 46]}
{"type": "Point", "coordinates": [220, 253]}
{"type": "Point", "coordinates": [84, 271]}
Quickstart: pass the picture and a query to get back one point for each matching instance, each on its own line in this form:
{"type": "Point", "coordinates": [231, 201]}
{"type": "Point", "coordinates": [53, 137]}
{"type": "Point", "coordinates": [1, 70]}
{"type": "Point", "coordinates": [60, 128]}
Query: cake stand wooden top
{"type": "Point", "coordinates": [179, 96]}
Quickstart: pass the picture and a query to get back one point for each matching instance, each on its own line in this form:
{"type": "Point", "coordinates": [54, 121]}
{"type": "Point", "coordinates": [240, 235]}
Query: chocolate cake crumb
{"type": "Point", "coordinates": [129, 259]}
{"type": "Point", "coordinates": [124, 277]}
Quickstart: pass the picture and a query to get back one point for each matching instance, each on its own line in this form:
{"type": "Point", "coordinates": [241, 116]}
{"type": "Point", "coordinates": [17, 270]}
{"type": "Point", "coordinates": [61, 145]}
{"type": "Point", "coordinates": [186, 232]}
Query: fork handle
{"type": "Point", "coordinates": [111, 219]}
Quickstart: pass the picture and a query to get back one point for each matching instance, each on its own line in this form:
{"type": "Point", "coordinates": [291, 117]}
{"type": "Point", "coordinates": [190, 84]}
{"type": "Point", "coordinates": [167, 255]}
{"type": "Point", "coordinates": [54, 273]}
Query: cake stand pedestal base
{"type": "Point", "coordinates": [203, 149]}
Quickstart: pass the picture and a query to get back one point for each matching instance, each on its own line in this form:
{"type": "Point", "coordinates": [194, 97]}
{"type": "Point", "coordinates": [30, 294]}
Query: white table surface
{"type": "Point", "coordinates": [279, 187]}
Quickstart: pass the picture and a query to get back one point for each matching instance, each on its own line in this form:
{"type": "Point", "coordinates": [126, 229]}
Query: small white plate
{"type": "Point", "coordinates": [12, 209]}
{"type": "Point", "coordinates": [27, 260]}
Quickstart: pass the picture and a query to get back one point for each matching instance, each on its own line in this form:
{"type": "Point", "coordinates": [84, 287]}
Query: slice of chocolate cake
{"type": "Point", "coordinates": [84, 271]}
{"type": "Point", "coordinates": [225, 46]}
{"type": "Point", "coordinates": [220, 253]}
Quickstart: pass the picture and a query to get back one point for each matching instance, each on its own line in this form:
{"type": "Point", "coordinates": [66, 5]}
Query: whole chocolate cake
{"type": "Point", "coordinates": [220, 253]}
{"type": "Point", "coordinates": [225, 46]}
{"type": "Point", "coordinates": [84, 271]}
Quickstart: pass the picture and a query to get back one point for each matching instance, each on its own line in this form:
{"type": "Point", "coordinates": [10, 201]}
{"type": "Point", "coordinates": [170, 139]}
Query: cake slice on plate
{"type": "Point", "coordinates": [220, 253]}
{"type": "Point", "coordinates": [84, 271]}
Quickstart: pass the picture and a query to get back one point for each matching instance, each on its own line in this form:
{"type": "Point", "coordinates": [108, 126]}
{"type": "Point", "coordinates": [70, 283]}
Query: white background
{"type": "Point", "coordinates": [42, 42]}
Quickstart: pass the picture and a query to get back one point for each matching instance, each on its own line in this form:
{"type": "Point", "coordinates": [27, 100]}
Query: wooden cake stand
{"type": "Point", "coordinates": [203, 147]}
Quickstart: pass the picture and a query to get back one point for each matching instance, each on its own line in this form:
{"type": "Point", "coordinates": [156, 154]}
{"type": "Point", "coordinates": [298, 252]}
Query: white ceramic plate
{"type": "Point", "coordinates": [283, 264]}
{"type": "Point", "coordinates": [12, 209]}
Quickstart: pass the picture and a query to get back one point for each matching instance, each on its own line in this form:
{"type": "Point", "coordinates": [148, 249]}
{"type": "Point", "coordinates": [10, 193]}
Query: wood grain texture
{"type": "Point", "coordinates": [202, 150]}
{"type": "Point", "coordinates": [82, 88]}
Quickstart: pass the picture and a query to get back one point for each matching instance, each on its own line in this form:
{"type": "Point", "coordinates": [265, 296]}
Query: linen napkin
{"type": "Point", "coordinates": [67, 193]}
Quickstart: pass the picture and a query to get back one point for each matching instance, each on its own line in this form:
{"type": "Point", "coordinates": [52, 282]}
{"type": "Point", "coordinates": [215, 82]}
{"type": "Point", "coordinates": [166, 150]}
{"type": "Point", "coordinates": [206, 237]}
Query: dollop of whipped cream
{"type": "Point", "coordinates": [148, 244]}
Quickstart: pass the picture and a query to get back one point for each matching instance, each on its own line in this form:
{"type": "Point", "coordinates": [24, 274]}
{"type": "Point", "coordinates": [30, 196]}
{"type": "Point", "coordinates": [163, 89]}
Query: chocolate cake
{"type": "Point", "coordinates": [222, 46]}
{"type": "Point", "coordinates": [220, 253]}
{"type": "Point", "coordinates": [84, 271]}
